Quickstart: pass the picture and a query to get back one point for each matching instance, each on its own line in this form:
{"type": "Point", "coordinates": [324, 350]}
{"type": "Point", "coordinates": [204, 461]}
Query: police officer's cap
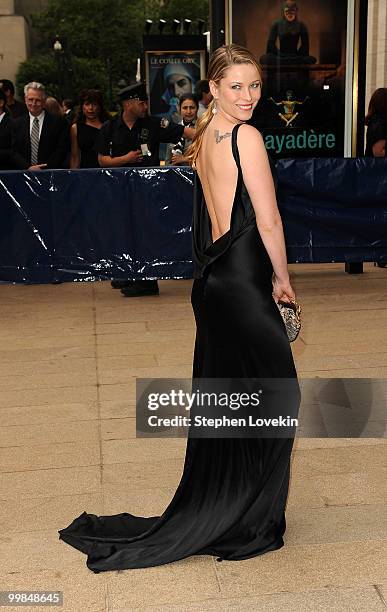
{"type": "Point", "coordinates": [137, 91]}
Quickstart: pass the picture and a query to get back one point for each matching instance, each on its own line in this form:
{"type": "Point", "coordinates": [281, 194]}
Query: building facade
{"type": "Point", "coordinates": [376, 47]}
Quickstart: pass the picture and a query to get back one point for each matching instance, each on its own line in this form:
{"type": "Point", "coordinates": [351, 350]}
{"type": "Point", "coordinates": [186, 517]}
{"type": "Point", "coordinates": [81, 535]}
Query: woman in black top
{"type": "Point", "coordinates": [376, 122]}
{"type": "Point", "coordinates": [85, 128]}
{"type": "Point", "coordinates": [188, 109]}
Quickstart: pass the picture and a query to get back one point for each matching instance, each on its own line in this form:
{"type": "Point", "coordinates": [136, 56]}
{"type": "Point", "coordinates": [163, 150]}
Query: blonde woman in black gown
{"type": "Point", "coordinates": [231, 499]}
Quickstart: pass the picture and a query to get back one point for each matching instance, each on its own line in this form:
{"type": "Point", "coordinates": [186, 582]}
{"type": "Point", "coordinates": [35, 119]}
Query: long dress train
{"type": "Point", "coordinates": [231, 499]}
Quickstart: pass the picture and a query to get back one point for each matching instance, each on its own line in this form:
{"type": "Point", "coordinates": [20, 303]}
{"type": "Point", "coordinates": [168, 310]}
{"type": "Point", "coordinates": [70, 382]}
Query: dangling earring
{"type": "Point", "coordinates": [214, 109]}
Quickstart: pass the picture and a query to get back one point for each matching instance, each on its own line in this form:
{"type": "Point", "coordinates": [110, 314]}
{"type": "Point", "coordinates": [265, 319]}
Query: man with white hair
{"type": "Point", "coordinates": [41, 140]}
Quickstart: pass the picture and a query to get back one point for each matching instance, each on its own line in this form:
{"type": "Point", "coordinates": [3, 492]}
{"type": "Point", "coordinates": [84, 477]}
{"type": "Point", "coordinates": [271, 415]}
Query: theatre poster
{"type": "Point", "coordinates": [302, 48]}
{"type": "Point", "coordinates": [169, 74]}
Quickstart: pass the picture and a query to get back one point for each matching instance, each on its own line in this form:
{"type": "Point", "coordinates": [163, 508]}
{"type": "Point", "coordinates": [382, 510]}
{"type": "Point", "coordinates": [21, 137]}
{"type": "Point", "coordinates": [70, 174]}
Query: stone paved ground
{"type": "Point", "coordinates": [69, 357]}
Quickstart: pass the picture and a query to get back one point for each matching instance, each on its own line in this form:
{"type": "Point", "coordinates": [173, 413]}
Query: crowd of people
{"type": "Point", "coordinates": [42, 133]}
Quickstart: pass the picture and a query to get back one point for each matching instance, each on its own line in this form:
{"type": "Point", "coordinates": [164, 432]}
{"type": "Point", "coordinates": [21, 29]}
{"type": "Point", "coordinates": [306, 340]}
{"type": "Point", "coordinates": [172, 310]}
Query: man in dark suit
{"type": "Point", "coordinates": [5, 135]}
{"type": "Point", "coordinates": [40, 140]}
{"type": "Point", "coordinates": [68, 110]}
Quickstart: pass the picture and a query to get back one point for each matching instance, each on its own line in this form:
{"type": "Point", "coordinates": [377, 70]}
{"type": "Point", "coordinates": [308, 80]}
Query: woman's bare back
{"type": "Point", "coordinates": [218, 175]}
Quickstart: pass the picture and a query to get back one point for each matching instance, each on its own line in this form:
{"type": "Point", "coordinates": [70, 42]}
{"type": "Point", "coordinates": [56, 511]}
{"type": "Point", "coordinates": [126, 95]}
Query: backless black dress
{"type": "Point", "coordinates": [231, 499]}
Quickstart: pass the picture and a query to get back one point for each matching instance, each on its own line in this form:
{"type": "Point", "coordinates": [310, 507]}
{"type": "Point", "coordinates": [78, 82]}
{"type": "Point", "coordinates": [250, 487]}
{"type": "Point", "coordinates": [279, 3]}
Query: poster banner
{"type": "Point", "coordinates": [169, 74]}
{"type": "Point", "coordinates": [301, 47]}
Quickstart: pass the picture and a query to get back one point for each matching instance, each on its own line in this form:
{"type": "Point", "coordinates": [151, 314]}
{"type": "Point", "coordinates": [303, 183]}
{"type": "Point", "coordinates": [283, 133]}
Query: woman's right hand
{"type": "Point", "coordinates": [282, 290]}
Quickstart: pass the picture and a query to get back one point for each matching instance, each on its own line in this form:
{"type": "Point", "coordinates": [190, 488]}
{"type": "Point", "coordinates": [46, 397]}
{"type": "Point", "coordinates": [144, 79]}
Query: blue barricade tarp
{"type": "Point", "coordinates": [334, 210]}
{"type": "Point", "coordinates": [59, 225]}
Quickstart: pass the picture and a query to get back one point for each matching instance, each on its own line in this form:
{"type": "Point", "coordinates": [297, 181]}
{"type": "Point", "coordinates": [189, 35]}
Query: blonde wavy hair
{"type": "Point", "coordinates": [221, 59]}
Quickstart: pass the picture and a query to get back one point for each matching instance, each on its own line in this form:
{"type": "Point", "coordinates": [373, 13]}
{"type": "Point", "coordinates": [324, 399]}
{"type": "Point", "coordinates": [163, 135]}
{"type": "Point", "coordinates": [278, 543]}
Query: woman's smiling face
{"type": "Point", "coordinates": [238, 92]}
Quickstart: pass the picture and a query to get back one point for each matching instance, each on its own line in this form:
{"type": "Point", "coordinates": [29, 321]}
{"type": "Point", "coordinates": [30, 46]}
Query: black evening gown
{"type": "Point", "coordinates": [231, 499]}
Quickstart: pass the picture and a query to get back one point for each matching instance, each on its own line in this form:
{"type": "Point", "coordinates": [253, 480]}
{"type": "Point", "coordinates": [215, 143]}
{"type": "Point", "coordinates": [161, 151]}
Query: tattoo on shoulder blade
{"type": "Point", "coordinates": [219, 137]}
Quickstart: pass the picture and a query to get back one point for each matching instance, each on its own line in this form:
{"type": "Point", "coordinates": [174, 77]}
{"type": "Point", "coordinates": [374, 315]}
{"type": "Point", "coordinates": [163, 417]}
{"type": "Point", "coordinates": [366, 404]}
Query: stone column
{"type": "Point", "coordinates": [14, 40]}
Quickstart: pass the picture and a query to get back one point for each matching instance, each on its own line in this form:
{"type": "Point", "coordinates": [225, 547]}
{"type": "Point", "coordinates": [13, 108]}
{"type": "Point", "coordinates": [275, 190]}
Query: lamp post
{"type": "Point", "coordinates": [63, 66]}
{"type": "Point", "coordinates": [175, 26]}
{"type": "Point", "coordinates": [186, 26]}
{"type": "Point", "coordinates": [58, 51]}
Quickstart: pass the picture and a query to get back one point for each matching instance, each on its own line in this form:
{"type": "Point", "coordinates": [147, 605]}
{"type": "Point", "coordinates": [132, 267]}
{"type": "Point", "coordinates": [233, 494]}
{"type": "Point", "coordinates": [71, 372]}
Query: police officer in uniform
{"type": "Point", "coordinates": [132, 139]}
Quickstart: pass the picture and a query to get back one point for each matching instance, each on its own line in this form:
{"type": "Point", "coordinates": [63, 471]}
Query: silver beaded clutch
{"type": "Point", "coordinates": [291, 314]}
